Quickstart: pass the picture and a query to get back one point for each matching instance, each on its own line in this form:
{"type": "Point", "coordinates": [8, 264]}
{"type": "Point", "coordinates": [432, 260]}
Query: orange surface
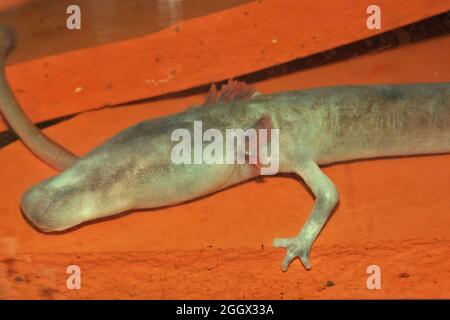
{"type": "Point", "coordinates": [200, 51]}
{"type": "Point", "coordinates": [9, 4]}
{"type": "Point", "coordinates": [393, 213]}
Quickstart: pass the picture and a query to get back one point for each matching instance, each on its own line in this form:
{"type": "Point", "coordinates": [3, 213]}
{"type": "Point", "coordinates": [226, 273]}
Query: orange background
{"type": "Point", "coordinates": [393, 213]}
{"type": "Point", "coordinates": [200, 51]}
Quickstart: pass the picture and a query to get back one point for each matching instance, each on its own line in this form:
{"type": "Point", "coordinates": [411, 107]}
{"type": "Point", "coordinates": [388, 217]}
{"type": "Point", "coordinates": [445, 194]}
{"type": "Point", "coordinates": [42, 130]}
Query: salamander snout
{"type": "Point", "coordinates": [35, 203]}
{"type": "Point", "coordinates": [45, 208]}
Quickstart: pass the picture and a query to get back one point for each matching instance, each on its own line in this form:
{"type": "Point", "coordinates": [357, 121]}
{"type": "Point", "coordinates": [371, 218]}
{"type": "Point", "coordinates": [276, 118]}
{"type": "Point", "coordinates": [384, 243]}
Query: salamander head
{"type": "Point", "coordinates": [69, 199]}
{"type": "Point", "coordinates": [54, 209]}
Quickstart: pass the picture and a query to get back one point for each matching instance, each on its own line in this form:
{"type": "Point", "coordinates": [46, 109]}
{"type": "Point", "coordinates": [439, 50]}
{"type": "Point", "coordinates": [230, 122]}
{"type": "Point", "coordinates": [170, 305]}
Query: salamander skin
{"type": "Point", "coordinates": [134, 169]}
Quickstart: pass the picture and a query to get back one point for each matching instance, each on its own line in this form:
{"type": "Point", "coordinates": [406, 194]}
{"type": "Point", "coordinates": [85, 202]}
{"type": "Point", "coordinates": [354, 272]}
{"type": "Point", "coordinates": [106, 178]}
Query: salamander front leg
{"type": "Point", "coordinates": [326, 198]}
